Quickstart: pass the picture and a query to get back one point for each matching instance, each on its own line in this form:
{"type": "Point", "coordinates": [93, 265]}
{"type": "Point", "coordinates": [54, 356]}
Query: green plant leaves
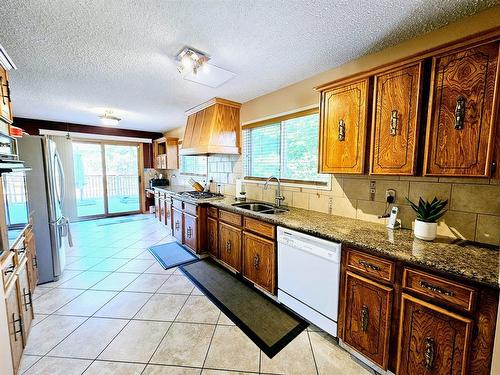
{"type": "Point", "coordinates": [429, 212]}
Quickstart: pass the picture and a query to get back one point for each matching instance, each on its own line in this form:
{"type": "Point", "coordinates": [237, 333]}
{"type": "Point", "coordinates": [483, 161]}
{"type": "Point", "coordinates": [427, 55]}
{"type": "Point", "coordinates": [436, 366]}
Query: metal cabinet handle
{"type": "Point", "coordinates": [9, 269]}
{"type": "Point", "coordinates": [14, 321]}
{"type": "Point", "coordinates": [365, 316]}
{"type": "Point", "coordinates": [436, 289]}
{"type": "Point", "coordinates": [35, 262]}
{"type": "Point", "coordinates": [366, 264]}
{"type": "Point", "coordinates": [256, 261]}
{"type": "Point", "coordinates": [341, 135]}
{"type": "Point", "coordinates": [460, 113]}
{"type": "Point", "coordinates": [189, 232]}
{"type": "Point", "coordinates": [228, 246]}
{"type": "Point", "coordinates": [429, 353]}
{"type": "Point", "coordinates": [394, 123]}
{"type": "Point", "coordinates": [22, 250]}
{"type": "Point", "coordinates": [177, 225]}
{"type": "Point", "coordinates": [29, 302]}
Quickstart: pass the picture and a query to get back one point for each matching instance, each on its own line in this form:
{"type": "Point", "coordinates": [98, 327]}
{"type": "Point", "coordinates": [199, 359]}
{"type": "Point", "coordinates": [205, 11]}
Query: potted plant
{"type": "Point", "coordinates": [428, 213]}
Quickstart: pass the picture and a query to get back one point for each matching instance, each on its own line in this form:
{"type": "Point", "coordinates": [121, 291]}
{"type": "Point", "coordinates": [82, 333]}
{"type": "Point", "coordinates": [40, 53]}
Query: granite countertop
{"type": "Point", "coordinates": [467, 261]}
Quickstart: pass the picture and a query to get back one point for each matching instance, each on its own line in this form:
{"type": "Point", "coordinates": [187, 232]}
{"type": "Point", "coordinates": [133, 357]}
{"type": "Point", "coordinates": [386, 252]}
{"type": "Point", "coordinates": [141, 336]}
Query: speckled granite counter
{"type": "Point", "coordinates": [477, 264]}
{"type": "Point", "coordinates": [175, 189]}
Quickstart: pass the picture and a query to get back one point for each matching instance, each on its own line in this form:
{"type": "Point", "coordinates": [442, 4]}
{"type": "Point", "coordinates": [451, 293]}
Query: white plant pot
{"type": "Point", "coordinates": [425, 231]}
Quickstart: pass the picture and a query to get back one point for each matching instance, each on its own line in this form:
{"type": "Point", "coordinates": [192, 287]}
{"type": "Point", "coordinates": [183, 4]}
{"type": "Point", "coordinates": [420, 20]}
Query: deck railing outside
{"type": "Point", "coordinates": [118, 186]}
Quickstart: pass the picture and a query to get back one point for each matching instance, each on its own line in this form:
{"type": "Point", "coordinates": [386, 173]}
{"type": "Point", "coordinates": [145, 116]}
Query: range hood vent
{"type": "Point", "coordinates": [212, 128]}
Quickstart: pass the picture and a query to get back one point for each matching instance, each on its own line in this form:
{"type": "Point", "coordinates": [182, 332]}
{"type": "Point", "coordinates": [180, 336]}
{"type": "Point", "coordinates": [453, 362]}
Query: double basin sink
{"type": "Point", "coordinates": [263, 208]}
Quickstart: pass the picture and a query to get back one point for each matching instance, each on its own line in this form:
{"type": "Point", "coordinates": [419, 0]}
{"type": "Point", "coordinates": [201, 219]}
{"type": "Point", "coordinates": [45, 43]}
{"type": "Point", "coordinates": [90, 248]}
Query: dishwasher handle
{"type": "Point", "coordinates": [327, 254]}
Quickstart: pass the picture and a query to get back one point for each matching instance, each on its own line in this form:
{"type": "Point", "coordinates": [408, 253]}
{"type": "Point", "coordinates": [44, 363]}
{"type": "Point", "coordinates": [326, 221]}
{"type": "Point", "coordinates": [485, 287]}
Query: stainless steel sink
{"type": "Point", "coordinates": [263, 208]}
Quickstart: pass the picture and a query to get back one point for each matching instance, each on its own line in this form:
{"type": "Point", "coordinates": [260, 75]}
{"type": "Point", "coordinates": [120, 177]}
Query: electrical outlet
{"type": "Point", "coordinates": [390, 195]}
{"type": "Point", "coordinates": [372, 190]}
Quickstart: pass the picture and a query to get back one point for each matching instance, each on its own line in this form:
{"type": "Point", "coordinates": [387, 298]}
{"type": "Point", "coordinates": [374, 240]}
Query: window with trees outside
{"type": "Point", "coordinates": [285, 147]}
{"type": "Point", "coordinates": [194, 165]}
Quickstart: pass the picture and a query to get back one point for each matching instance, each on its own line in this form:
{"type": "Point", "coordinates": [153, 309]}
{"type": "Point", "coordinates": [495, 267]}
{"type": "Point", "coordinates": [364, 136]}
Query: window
{"type": "Point", "coordinates": [286, 147]}
{"type": "Point", "coordinates": [194, 165]}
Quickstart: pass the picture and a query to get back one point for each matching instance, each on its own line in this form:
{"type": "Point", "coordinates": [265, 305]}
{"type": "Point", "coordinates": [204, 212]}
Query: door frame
{"type": "Point", "coordinates": [140, 162]}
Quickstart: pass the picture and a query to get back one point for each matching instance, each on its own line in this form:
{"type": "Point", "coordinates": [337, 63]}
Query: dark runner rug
{"type": "Point", "coordinates": [270, 325]}
{"type": "Point", "coordinates": [171, 255]}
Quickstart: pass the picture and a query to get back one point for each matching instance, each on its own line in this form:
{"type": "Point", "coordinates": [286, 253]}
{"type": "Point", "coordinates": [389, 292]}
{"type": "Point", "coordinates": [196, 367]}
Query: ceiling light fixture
{"type": "Point", "coordinates": [108, 119]}
{"type": "Point", "coordinates": [190, 60]}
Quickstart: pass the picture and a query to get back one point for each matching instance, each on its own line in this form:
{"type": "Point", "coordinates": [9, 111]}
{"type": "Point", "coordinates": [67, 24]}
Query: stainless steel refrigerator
{"type": "Point", "coordinates": [46, 195]}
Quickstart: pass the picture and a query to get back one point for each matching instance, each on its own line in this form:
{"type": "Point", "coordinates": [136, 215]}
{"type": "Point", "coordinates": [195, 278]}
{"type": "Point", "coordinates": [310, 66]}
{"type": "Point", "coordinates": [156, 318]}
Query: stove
{"type": "Point", "coordinates": [200, 195]}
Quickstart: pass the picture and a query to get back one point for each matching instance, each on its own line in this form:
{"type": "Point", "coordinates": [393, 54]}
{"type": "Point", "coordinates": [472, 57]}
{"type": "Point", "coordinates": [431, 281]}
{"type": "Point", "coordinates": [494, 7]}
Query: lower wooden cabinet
{"type": "Point", "coordinates": [157, 205]}
{"type": "Point", "coordinates": [177, 225]}
{"type": "Point", "coordinates": [32, 265]}
{"type": "Point", "coordinates": [15, 322]}
{"type": "Point", "coordinates": [191, 232]}
{"type": "Point", "coordinates": [367, 317]}
{"type": "Point", "coordinates": [25, 299]}
{"type": "Point", "coordinates": [230, 246]}
{"type": "Point", "coordinates": [168, 213]}
{"type": "Point", "coordinates": [432, 340]}
{"type": "Point", "coordinates": [259, 261]}
{"type": "Point", "coordinates": [213, 235]}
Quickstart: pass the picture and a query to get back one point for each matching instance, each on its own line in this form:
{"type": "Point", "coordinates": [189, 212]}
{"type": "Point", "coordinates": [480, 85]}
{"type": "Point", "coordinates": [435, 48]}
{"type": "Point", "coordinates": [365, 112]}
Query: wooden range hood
{"type": "Point", "coordinates": [212, 128]}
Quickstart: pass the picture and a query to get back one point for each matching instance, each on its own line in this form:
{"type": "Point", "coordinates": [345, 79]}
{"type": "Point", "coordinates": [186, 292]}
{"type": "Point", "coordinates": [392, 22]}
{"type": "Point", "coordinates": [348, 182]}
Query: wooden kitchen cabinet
{"type": "Point", "coordinates": [343, 124]}
{"type": "Point", "coordinates": [166, 153]}
{"type": "Point", "coordinates": [230, 246]}
{"type": "Point", "coordinates": [213, 235]}
{"type": "Point", "coordinates": [395, 121]}
{"type": "Point", "coordinates": [32, 265]}
{"type": "Point", "coordinates": [25, 298]}
{"type": "Point", "coordinates": [161, 216]}
{"type": "Point", "coordinates": [5, 102]}
{"type": "Point", "coordinates": [15, 322]}
{"type": "Point", "coordinates": [432, 340]}
{"type": "Point", "coordinates": [462, 114]}
{"type": "Point", "coordinates": [157, 204]}
{"type": "Point", "coordinates": [367, 317]}
{"type": "Point", "coordinates": [177, 225]}
{"type": "Point", "coordinates": [259, 261]}
{"type": "Point", "coordinates": [191, 232]}
{"type": "Point", "coordinates": [168, 212]}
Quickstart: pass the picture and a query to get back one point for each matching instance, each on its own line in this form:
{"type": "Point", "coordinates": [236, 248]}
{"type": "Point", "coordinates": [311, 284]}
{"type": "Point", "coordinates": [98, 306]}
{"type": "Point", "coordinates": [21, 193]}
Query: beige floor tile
{"type": "Point", "coordinates": [136, 265]}
{"type": "Point", "coordinates": [177, 285]}
{"type": "Point", "coordinates": [137, 334]}
{"type": "Point", "coordinates": [231, 349]}
{"type": "Point", "coordinates": [332, 359]}
{"type": "Point", "coordinates": [83, 264]}
{"type": "Point", "coordinates": [224, 372]}
{"type": "Point", "coordinates": [129, 253]}
{"type": "Point", "coordinates": [109, 265]}
{"type": "Point", "coordinates": [295, 359]}
{"type": "Point", "coordinates": [224, 320]}
{"type": "Point", "coordinates": [164, 307]}
{"type": "Point", "coordinates": [87, 303]}
{"type": "Point", "coordinates": [38, 318]}
{"type": "Point", "coordinates": [124, 305]}
{"type": "Point", "coordinates": [27, 361]}
{"type": "Point", "coordinates": [114, 368]}
{"type": "Point", "coordinates": [147, 283]}
{"type": "Point", "coordinates": [117, 281]}
{"type": "Point", "coordinates": [170, 370]}
{"type": "Point", "coordinates": [55, 299]}
{"type": "Point", "coordinates": [157, 268]}
{"type": "Point", "coordinates": [184, 345]}
{"type": "Point", "coordinates": [40, 291]}
{"type": "Point", "coordinates": [67, 275]}
{"type": "Point", "coordinates": [146, 254]}
{"type": "Point", "coordinates": [198, 309]}
{"type": "Point", "coordinates": [88, 340]}
{"type": "Point", "coordinates": [197, 292]}
{"type": "Point", "coordinates": [40, 343]}
{"type": "Point", "coordinates": [58, 366]}
{"type": "Point", "coordinates": [85, 280]}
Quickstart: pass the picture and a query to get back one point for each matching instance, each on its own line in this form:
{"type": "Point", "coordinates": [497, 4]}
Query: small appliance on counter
{"type": "Point", "coordinates": [240, 190]}
{"type": "Point", "coordinates": [158, 180]}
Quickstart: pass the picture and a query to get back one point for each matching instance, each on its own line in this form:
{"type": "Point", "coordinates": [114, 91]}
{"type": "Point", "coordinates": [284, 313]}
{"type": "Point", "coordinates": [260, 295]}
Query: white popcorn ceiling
{"type": "Point", "coordinates": [73, 56]}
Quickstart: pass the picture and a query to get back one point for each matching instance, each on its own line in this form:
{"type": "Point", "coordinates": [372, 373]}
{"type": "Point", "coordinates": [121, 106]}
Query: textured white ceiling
{"type": "Point", "coordinates": [74, 56]}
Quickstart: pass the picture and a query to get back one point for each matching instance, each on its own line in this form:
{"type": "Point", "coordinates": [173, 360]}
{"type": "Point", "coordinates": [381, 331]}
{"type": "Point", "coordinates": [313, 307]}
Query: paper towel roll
{"type": "Point", "coordinates": [240, 188]}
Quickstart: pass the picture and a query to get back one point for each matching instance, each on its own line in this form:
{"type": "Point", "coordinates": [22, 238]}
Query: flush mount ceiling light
{"type": "Point", "coordinates": [108, 119]}
{"type": "Point", "coordinates": [190, 60]}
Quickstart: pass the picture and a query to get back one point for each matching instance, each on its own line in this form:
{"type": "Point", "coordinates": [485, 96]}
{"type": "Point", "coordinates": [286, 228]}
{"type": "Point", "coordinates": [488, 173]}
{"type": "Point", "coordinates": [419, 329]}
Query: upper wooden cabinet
{"type": "Point", "coordinates": [462, 112]}
{"type": "Point", "coordinates": [396, 121]}
{"type": "Point", "coordinates": [166, 153]}
{"type": "Point", "coordinates": [343, 122]}
{"type": "Point", "coordinates": [5, 104]}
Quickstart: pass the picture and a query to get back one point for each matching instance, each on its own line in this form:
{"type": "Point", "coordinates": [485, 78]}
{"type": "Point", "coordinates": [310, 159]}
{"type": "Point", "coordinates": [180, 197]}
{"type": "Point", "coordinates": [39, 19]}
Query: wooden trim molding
{"type": "Point", "coordinates": [277, 119]}
{"type": "Point", "coordinates": [212, 102]}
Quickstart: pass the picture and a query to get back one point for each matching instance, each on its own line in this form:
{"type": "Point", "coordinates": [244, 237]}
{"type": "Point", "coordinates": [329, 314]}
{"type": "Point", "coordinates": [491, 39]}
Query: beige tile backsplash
{"type": "Point", "coordinates": [474, 203]}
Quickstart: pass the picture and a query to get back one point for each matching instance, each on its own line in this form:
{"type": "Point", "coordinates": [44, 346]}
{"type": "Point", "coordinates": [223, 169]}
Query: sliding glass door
{"type": "Point", "coordinates": [106, 178]}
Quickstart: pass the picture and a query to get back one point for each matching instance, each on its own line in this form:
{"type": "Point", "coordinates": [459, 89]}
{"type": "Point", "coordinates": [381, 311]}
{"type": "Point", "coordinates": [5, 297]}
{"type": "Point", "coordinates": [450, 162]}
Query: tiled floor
{"type": "Point", "coordinates": [116, 311]}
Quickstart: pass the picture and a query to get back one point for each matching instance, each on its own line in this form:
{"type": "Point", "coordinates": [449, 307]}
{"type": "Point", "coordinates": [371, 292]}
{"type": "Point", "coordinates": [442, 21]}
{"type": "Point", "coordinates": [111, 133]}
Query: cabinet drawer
{"type": "Point", "coordinates": [213, 212]}
{"type": "Point", "coordinates": [448, 292]}
{"type": "Point", "coordinates": [190, 209]}
{"type": "Point", "coordinates": [230, 218]}
{"type": "Point", "coordinates": [260, 227]}
{"type": "Point", "coordinates": [379, 268]}
{"type": "Point", "coordinates": [177, 204]}
{"type": "Point", "coordinates": [8, 269]}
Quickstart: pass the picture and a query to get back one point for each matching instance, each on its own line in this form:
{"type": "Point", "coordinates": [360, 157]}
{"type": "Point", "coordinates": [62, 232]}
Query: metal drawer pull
{"type": "Point", "coordinates": [460, 113]}
{"type": "Point", "coordinates": [429, 353]}
{"type": "Point", "coordinates": [30, 302]}
{"type": "Point", "coordinates": [365, 316]}
{"type": "Point", "coordinates": [9, 269]}
{"type": "Point", "coordinates": [256, 261]}
{"type": "Point", "coordinates": [35, 262]}
{"type": "Point", "coordinates": [436, 289]}
{"type": "Point", "coordinates": [394, 123]}
{"type": "Point", "coordinates": [177, 225]}
{"type": "Point", "coordinates": [22, 250]}
{"type": "Point", "coordinates": [341, 135]}
{"type": "Point", "coordinates": [189, 232]}
{"type": "Point", "coordinates": [228, 246]}
{"type": "Point", "coordinates": [14, 321]}
{"type": "Point", "coordinates": [366, 264]}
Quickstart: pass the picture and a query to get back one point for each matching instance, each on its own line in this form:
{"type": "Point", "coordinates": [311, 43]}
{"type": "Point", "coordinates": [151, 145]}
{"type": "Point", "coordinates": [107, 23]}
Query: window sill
{"type": "Point", "coordinates": [303, 185]}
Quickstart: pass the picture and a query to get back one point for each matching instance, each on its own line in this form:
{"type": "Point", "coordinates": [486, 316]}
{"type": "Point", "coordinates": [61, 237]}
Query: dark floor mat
{"type": "Point", "coordinates": [171, 255]}
{"type": "Point", "coordinates": [270, 325]}
{"type": "Point", "coordinates": [120, 220]}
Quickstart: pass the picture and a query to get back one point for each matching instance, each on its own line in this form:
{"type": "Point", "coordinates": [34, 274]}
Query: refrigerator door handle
{"type": "Point", "coordinates": [61, 176]}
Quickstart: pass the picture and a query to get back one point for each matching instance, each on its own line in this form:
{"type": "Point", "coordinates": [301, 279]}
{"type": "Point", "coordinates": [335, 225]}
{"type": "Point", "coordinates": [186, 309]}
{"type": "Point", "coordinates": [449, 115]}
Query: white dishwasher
{"type": "Point", "coordinates": [308, 277]}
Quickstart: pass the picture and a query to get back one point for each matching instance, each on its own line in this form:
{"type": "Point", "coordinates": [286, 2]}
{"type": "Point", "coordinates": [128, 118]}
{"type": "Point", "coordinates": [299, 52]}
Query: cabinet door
{"type": "Point", "coordinates": [168, 213]}
{"type": "Point", "coordinates": [343, 121]}
{"type": "Point", "coordinates": [177, 224]}
{"type": "Point", "coordinates": [431, 339]}
{"type": "Point", "coordinates": [259, 261]}
{"type": "Point", "coordinates": [191, 232]}
{"type": "Point", "coordinates": [230, 246]}
{"type": "Point", "coordinates": [395, 121]}
{"type": "Point", "coordinates": [5, 105]}
{"type": "Point", "coordinates": [157, 205]}
{"type": "Point", "coordinates": [162, 210]}
{"type": "Point", "coordinates": [462, 113]}
{"type": "Point", "coordinates": [29, 243]}
{"type": "Point", "coordinates": [15, 322]}
{"type": "Point", "coordinates": [25, 300]}
{"type": "Point", "coordinates": [367, 317]}
{"type": "Point", "coordinates": [213, 243]}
